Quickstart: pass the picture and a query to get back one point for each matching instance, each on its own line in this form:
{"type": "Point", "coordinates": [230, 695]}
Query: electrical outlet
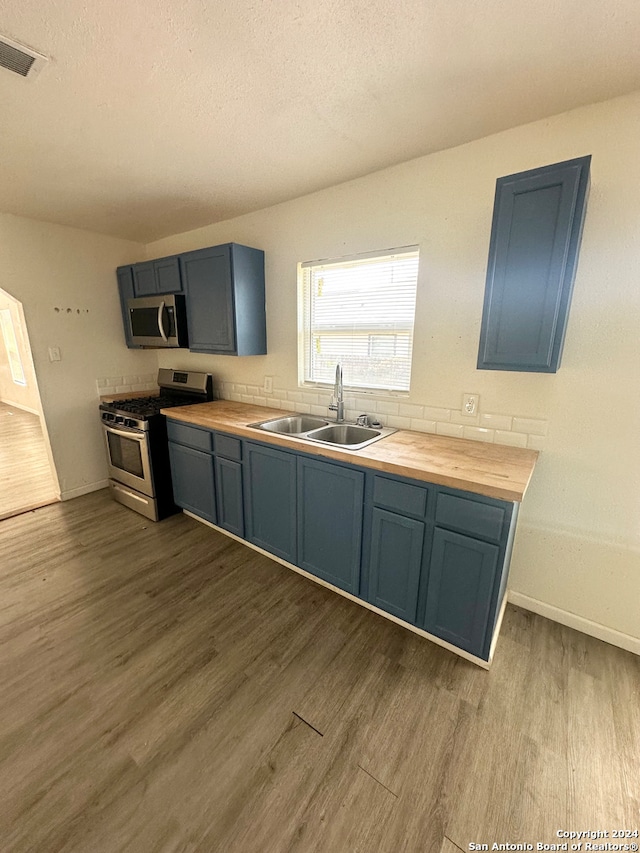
{"type": "Point", "coordinates": [268, 385]}
{"type": "Point", "coordinates": [470, 403]}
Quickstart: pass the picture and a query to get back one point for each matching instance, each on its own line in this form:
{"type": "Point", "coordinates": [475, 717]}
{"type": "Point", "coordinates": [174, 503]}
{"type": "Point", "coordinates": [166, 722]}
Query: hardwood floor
{"type": "Point", "coordinates": [25, 472]}
{"type": "Point", "coordinates": [166, 689]}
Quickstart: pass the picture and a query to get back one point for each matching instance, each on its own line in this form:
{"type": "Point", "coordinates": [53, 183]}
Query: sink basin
{"type": "Point", "coordinates": [344, 434]}
{"type": "Point", "coordinates": [308, 428]}
{"type": "Point", "coordinates": [291, 425]}
{"type": "Point", "coordinates": [348, 435]}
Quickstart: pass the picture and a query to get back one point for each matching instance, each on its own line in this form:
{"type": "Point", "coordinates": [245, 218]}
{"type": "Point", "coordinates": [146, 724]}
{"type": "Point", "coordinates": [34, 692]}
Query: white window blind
{"type": "Point", "coordinates": [360, 312]}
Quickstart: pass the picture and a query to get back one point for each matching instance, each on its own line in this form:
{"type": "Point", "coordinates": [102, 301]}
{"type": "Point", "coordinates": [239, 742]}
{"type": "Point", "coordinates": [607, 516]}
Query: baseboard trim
{"type": "Point", "coordinates": [69, 494]}
{"type": "Point", "coordinates": [21, 406]}
{"type": "Point", "coordinates": [572, 620]}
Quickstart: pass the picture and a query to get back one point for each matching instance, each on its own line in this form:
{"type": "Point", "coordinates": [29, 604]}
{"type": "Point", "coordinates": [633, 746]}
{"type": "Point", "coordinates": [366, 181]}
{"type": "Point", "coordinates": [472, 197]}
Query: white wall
{"type": "Point", "coordinates": [65, 279]}
{"type": "Point", "coordinates": [578, 547]}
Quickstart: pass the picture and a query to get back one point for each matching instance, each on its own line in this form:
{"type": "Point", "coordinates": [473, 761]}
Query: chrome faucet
{"type": "Point", "coordinates": [338, 396]}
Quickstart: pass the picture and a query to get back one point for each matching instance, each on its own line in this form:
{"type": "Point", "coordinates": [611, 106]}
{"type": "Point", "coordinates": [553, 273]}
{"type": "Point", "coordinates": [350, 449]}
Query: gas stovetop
{"type": "Point", "coordinates": [146, 407]}
{"type": "Point", "coordinates": [177, 388]}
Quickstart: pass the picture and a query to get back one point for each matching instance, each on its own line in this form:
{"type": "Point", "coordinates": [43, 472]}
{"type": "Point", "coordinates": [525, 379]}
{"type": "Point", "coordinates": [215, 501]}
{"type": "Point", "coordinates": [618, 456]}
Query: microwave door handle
{"type": "Point", "coordinates": [160, 326]}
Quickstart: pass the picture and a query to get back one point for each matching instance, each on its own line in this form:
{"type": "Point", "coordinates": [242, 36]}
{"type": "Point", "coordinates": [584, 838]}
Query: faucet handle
{"type": "Point", "coordinates": [363, 420]}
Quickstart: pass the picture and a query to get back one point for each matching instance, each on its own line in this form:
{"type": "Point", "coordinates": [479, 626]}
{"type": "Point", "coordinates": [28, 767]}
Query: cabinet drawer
{"type": "Point", "coordinates": [402, 497]}
{"type": "Point", "coordinates": [200, 439]}
{"type": "Point", "coordinates": [227, 446]}
{"type": "Point", "coordinates": [473, 517]}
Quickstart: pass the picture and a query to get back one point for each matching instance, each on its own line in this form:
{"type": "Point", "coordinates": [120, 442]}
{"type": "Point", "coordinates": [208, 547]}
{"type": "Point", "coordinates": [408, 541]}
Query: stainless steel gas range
{"type": "Point", "coordinates": [136, 438]}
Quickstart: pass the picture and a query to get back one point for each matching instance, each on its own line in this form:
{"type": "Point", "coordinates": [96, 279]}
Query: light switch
{"type": "Point", "coordinates": [54, 354]}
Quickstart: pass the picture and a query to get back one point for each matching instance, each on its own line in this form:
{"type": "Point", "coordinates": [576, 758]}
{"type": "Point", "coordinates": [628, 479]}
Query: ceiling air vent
{"type": "Point", "coordinates": [20, 59]}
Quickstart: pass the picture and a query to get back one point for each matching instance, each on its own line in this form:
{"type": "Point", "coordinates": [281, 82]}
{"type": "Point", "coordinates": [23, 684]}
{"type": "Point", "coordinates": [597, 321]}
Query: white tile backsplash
{"type": "Point", "coordinates": [387, 408]}
{"type": "Point", "coordinates": [535, 442]}
{"type": "Point", "coordinates": [432, 413]}
{"type": "Point", "coordinates": [510, 430]}
{"type": "Point", "coordinates": [398, 422]}
{"type": "Point", "coordinates": [478, 433]}
{"type": "Point", "coordinates": [513, 439]}
{"type": "Point", "coordinates": [408, 410]}
{"type": "Point", "coordinates": [458, 417]}
{"type": "Point", "coordinates": [501, 422]}
{"type": "Point", "coordinates": [530, 425]}
{"type": "Point", "coordinates": [421, 425]}
{"type": "Point", "coordinates": [445, 428]}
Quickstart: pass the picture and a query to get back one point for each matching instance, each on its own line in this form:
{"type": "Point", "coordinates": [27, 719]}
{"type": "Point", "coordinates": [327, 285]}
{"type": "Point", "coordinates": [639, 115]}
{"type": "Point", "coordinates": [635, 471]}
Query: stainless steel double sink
{"type": "Point", "coordinates": [349, 436]}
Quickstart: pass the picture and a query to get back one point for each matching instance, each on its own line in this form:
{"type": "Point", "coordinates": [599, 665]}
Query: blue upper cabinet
{"type": "Point", "coordinates": [224, 287]}
{"type": "Point", "coordinates": [125, 289]}
{"type": "Point", "coordinates": [159, 276]}
{"type": "Point", "coordinates": [535, 239]}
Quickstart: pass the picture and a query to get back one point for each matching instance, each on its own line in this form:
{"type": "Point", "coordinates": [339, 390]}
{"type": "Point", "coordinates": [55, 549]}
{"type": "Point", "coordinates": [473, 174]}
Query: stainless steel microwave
{"type": "Point", "coordinates": [158, 321]}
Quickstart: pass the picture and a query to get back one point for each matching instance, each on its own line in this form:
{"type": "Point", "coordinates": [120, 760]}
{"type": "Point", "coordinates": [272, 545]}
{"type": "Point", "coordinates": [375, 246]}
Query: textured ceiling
{"type": "Point", "coordinates": [158, 117]}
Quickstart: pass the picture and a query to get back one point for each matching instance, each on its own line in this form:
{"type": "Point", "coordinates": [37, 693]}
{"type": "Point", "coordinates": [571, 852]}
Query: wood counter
{"type": "Point", "coordinates": [494, 470]}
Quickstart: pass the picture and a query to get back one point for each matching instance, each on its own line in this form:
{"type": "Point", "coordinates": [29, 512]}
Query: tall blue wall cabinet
{"type": "Point", "coordinates": [535, 239]}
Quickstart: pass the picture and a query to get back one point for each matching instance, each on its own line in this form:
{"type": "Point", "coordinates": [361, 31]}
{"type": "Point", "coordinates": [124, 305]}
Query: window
{"type": "Point", "coordinates": [11, 345]}
{"type": "Point", "coordinates": [359, 311]}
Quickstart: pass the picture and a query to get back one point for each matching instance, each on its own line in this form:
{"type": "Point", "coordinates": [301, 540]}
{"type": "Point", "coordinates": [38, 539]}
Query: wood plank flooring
{"type": "Point", "coordinates": [25, 472]}
{"type": "Point", "coordinates": [167, 690]}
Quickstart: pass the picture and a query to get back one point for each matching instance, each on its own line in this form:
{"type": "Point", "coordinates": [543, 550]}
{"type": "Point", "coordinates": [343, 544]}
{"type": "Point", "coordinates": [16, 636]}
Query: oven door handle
{"type": "Point", "coordinates": [133, 435]}
{"type": "Point", "coordinates": [160, 324]}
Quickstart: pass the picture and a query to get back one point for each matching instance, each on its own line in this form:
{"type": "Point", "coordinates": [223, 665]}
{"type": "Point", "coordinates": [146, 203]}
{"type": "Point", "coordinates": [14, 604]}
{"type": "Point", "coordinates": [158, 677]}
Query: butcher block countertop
{"type": "Point", "coordinates": [494, 470]}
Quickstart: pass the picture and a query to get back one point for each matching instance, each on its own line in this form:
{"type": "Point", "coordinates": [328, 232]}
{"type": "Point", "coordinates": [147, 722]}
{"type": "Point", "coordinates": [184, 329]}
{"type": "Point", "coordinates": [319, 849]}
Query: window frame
{"type": "Point", "coordinates": [305, 330]}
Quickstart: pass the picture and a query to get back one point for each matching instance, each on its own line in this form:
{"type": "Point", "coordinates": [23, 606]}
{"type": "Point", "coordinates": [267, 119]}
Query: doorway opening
{"type": "Point", "coordinates": [27, 469]}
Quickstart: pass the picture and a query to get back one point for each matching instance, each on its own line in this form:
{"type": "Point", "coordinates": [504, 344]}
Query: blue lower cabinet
{"type": "Point", "coordinates": [193, 480]}
{"type": "Point", "coordinates": [395, 563]}
{"type": "Point", "coordinates": [330, 524]}
{"type": "Point", "coordinates": [460, 592]}
{"type": "Point", "coordinates": [270, 500]}
{"type": "Point", "coordinates": [229, 494]}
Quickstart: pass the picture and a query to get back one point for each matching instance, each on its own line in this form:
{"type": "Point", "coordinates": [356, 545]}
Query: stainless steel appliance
{"type": "Point", "coordinates": [158, 321]}
{"type": "Point", "coordinates": [136, 438]}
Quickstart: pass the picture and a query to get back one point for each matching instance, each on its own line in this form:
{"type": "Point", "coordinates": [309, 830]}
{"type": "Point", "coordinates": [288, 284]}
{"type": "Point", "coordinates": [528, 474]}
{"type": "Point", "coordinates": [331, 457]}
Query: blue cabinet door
{"type": "Point", "coordinates": [270, 500]}
{"type": "Point", "coordinates": [229, 495]}
{"type": "Point", "coordinates": [460, 590]}
{"type": "Point", "coordinates": [144, 279]}
{"type": "Point", "coordinates": [125, 290]}
{"type": "Point", "coordinates": [158, 276]}
{"type": "Point", "coordinates": [193, 480]}
{"type": "Point", "coordinates": [533, 254]}
{"type": "Point", "coordinates": [330, 525]}
{"type": "Point", "coordinates": [206, 274]}
{"type": "Point", "coordinates": [395, 563]}
{"type": "Point", "coordinates": [167, 275]}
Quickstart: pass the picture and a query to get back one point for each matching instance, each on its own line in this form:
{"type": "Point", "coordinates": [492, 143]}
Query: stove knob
{"type": "Point", "coordinates": [130, 422]}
